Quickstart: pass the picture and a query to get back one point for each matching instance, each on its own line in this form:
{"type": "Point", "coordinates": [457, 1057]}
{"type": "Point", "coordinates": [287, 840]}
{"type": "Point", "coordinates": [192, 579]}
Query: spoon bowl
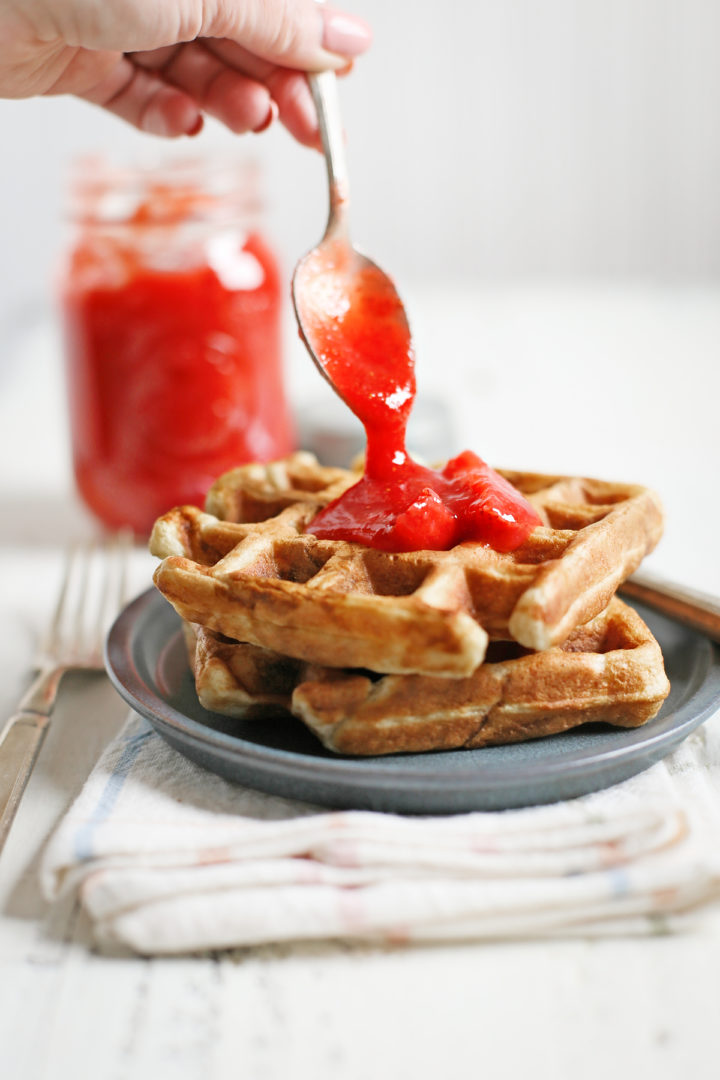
{"type": "Point", "coordinates": [335, 284]}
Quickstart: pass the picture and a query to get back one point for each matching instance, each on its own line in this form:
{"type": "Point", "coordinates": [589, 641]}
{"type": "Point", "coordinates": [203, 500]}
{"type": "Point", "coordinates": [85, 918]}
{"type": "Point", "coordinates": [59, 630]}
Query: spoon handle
{"type": "Point", "coordinates": [327, 103]}
{"type": "Point", "coordinates": [695, 609]}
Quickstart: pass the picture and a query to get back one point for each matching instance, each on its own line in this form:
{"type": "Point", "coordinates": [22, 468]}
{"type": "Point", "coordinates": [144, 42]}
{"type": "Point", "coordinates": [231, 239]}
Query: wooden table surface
{"type": "Point", "coordinates": [615, 382]}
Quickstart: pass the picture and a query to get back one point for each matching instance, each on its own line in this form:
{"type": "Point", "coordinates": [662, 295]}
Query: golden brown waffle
{"type": "Point", "coordinates": [257, 492]}
{"type": "Point", "coordinates": [270, 583]}
{"type": "Point", "coordinates": [610, 670]}
{"type": "Point", "coordinates": [237, 679]}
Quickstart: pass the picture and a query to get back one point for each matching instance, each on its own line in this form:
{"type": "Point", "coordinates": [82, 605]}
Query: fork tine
{"type": "Point", "coordinates": [126, 539]}
{"type": "Point", "coordinates": [54, 633]}
{"type": "Point", "coordinates": [114, 584]}
{"type": "Point", "coordinates": [79, 632]}
{"type": "Point", "coordinates": [107, 570]}
{"type": "Point", "coordinates": [92, 592]}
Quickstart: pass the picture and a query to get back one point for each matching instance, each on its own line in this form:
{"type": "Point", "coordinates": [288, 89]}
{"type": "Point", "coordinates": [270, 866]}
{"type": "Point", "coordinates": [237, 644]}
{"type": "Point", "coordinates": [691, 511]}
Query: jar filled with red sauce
{"type": "Point", "coordinates": [172, 311]}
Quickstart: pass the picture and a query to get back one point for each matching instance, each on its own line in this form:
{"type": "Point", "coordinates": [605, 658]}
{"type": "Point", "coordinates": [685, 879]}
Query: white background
{"type": "Point", "coordinates": [487, 139]}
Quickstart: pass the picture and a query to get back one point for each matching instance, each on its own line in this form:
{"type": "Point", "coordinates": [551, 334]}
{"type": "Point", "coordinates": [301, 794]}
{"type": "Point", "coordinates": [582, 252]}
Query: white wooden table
{"type": "Point", "coordinates": [615, 382]}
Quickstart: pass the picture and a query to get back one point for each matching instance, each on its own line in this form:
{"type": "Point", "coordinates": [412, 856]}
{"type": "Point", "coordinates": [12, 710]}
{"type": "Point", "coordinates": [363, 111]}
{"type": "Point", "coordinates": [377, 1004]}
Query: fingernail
{"type": "Point", "coordinates": [344, 34]}
{"type": "Point", "coordinates": [197, 126]}
{"type": "Point", "coordinates": [272, 115]}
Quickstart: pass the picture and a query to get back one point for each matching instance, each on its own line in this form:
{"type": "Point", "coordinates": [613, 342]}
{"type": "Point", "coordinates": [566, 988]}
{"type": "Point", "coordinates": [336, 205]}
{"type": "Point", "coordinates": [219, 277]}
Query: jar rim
{"type": "Point", "coordinates": [193, 188]}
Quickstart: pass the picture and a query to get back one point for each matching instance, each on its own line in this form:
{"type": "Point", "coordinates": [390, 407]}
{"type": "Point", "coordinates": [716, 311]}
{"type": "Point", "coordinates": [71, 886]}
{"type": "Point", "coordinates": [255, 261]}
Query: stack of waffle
{"type": "Point", "coordinates": [383, 653]}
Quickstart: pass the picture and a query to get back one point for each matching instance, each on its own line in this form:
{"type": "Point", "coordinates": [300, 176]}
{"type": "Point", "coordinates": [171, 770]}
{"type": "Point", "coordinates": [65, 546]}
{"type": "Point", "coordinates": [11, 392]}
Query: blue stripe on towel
{"type": "Point", "coordinates": [111, 792]}
{"type": "Point", "coordinates": [619, 882]}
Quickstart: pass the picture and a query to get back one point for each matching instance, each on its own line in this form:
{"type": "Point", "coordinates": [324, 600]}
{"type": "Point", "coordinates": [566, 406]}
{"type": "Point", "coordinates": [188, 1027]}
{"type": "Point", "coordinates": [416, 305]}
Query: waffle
{"type": "Point", "coordinates": [610, 670]}
{"type": "Point", "coordinates": [247, 569]}
{"type": "Point", "coordinates": [237, 679]}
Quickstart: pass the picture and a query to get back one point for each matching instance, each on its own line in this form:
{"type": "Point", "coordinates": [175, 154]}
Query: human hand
{"type": "Point", "coordinates": [161, 65]}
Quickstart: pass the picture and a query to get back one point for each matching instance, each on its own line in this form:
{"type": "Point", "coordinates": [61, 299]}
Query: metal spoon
{"type": "Point", "coordinates": [328, 279]}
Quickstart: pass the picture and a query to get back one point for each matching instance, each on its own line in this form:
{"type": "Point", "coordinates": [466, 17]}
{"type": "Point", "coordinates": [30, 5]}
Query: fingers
{"type": "Point", "coordinates": [296, 109]}
{"type": "Point", "coordinates": [241, 103]}
{"type": "Point", "coordinates": [242, 91]}
{"type": "Point", "coordinates": [287, 88]}
{"type": "Point", "coordinates": [164, 91]}
{"type": "Point", "coordinates": [303, 35]}
{"type": "Point", "coordinates": [145, 100]}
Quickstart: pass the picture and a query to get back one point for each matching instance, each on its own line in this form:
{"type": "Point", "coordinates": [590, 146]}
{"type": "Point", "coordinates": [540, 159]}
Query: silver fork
{"type": "Point", "coordinates": [92, 592]}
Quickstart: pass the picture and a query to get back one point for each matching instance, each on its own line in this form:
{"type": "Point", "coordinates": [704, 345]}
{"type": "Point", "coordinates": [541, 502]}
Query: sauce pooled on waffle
{"type": "Point", "coordinates": [362, 338]}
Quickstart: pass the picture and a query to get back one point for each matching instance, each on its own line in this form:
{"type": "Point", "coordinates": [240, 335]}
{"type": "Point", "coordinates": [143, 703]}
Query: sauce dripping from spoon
{"type": "Point", "coordinates": [355, 327]}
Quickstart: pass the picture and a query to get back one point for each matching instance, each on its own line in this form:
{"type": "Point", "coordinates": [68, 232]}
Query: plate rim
{"type": "Point", "coordinates": [577, 762]}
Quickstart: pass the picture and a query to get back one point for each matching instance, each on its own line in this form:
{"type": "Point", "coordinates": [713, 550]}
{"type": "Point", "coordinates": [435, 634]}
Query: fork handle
{"type": "Point", "coordinates": [20, 742]}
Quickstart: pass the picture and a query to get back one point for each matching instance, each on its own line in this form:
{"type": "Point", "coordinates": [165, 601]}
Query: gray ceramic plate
{"type": "Point", "coordinates": [147, 663]}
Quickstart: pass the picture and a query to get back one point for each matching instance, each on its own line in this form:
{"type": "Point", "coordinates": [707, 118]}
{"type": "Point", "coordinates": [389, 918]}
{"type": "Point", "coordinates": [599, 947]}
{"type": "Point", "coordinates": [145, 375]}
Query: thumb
{"type": "Point", "coordinates": [302, 34]}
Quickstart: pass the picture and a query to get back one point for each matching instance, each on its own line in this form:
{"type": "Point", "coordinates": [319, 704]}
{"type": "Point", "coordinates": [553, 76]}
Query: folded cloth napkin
{"type": "Point", "coordinates": [169, 858]}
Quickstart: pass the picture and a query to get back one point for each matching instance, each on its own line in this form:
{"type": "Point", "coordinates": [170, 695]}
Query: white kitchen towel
{"type": "Point", "coordinates": [169, 858]}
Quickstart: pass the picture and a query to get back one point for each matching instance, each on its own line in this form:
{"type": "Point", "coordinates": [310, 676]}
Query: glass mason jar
{"type": "Point", "coordinates": [172, 311]}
